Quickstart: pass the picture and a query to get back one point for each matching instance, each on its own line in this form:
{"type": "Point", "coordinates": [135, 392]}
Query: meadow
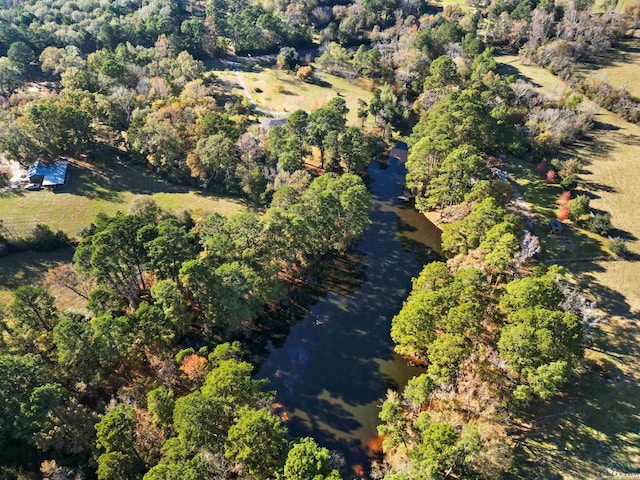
{"type": "Point", "coordinates": [90, 190]}
{"type": "Point", "coordinates": [595, 424]}
{"type": "Point", "coordinates": [281, 92]}
{"type": "Point", "coordinates": [621, 70]}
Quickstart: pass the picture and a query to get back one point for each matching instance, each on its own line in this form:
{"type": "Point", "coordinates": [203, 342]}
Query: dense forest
{"type": "Point", "coordinates": [153, 380]}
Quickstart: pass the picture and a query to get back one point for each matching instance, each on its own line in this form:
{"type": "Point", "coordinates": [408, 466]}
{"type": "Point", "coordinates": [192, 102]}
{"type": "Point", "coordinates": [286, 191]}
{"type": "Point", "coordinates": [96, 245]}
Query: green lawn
{"type": "Point", "coordinates": [282, 92]}
{"type": "Point", "coordinates": [574, 242]}
{"type": "Point", "coordinates": [90, 191]}
{"type": "Point", "coordinates": [621, 70]}
{"type": "Point", "coordinates": [596, 422]}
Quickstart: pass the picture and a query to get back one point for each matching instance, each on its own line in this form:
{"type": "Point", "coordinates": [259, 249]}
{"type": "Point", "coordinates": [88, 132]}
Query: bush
{"type": "Point", "coordinates": [600, 223]}
{"type": "Point", "coordinates": [569, 167]}
{"type": "Point", "coordinates": [569, 183]}
{"type": "Point", "coordinates": [618, 246]}
{"type": "Point", "coordinates": [305, 73]}
{"type": "Point", "coordinates": [579, 207]}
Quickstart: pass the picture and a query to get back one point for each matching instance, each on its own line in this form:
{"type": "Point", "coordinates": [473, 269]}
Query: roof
{"type": "Point", "coordinates": [53, 173]}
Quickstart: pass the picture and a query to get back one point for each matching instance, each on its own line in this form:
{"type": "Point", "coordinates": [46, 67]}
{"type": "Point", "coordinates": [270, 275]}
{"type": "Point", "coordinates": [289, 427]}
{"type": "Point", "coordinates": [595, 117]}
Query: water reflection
{"type": "Point", "coordinates": [332, 370]}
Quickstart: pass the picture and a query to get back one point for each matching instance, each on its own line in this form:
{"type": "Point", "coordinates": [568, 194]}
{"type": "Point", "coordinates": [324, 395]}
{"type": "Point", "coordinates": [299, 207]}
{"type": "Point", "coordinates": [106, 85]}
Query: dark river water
{"type": "Point", "coordinates": [332, 371]}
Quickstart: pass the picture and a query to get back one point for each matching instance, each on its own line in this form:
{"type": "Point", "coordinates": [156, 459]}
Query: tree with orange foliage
{"type": "Point", "coordinates": [195, 367]}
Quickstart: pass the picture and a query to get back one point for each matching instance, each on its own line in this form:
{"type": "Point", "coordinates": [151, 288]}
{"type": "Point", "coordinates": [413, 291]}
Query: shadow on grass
{"type": "Point", "coordinates": [506, 69]}
{"type": "Point", "coordinates": [28, 268]}
{"type": "Point", "coordinates": [594, 424]}
{"type": "Point", "coordinates": [543, 197]}
{"type": "Point", "coordinates": [110, 182]}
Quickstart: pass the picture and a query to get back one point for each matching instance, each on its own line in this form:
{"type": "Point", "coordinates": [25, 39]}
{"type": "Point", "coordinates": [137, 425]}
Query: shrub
{"type": "Point", "coordinates": [600, 223]}
{"type": "Point", "coordinates": [305, 73]}
{"type": "Point", "coordinates": [579, 207]}
{"type": "Point", "coordinates": [564, 213]}
{"type": "Point", "coordinates": [551, 176]}
{"type": "Point", "coordinates": [569, 167]}
{"type": "Point", "coordinates": [618, 246]}
{"type": "Point", "coordinates": [569, 183]}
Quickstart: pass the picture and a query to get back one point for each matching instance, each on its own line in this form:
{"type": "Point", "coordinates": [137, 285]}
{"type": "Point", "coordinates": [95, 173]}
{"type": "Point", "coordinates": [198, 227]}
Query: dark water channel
{"type": "Point", "coordinates": [332, 371]}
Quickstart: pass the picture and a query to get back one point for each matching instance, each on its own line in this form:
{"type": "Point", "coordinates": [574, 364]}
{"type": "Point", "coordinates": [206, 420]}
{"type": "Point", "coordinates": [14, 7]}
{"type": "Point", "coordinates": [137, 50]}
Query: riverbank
{"type": "Point", "coordinates": [332, 371]}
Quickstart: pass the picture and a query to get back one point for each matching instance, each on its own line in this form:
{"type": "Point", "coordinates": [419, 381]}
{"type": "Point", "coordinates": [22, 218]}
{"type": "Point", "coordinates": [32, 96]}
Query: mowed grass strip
{"type": "Point", "coordinates": [90, 191]}
{"type": "Point", "coordinates": [595, 425]}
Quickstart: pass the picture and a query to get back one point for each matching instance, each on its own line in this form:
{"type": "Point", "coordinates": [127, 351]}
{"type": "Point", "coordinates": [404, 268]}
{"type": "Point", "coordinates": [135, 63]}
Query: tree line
{"type": "Point", "coordinates": [155, 284]}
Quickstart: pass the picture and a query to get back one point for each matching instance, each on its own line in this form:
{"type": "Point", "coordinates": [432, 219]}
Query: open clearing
{"type": "Point", "coordinates": [621, 70]}
{"type": "Point", "coordinates": [280, 91]}
{"type": "Point", "coordinates": [595, 425]}
{"type": "Point", "coordinates": [90, 191]}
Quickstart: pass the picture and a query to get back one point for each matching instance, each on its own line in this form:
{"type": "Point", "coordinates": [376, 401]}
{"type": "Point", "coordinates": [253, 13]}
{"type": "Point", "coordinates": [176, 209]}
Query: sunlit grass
{"type": "Point", "coordinates": [91, 191]}
{"type": "Point", "coordinates": [280, 91]}
{"type": "Point", "coordinates": [595, 423]}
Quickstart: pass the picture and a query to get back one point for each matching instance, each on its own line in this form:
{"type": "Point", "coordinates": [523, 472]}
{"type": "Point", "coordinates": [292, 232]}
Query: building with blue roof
{"type": "Point", "coordinates": [48, 174]}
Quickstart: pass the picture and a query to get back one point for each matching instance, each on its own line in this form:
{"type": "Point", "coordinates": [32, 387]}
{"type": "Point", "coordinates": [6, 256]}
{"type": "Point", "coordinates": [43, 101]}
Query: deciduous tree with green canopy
{"type": "Point", "coordinates": [306, 460]}
{"type": "Point", "coordinates": [258, 442]}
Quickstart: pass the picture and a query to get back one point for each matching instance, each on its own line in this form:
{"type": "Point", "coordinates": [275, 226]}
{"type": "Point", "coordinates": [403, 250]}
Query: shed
{"type": "Point", "coordinates": [48, 174]}
{"type": "Point", "coordinates": [556, 226]}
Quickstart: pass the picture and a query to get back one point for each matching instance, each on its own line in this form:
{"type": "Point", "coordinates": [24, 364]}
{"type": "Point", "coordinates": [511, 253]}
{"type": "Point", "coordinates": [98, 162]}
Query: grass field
{"type": "Point", "coordinates": [90, 191]}
{"type": "Point", "coordinates": [621, 70]}
{"type": "Point", "coordinates": [573, 242]}
{"type": "Point", "coordinates": [596, 423]}
{"type": "Point", "coordinates": [294, 94]}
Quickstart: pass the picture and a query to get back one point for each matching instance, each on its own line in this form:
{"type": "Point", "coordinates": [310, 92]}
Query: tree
{"type": "Point", "coordinates": [331, 117]}
{"type": "Point", "coordinates": [578, 207]}
{"type": "Point", "coordinates": [19, 376]}
{"type": "Point", "coordinates": [21, 55]}
{"type": "Point", "coordinates": [442, 73]}
{"type": "Point", "coordinates": [355, 149]}
{"type": "Point", "coordinates": [257, 441]}
{"type": "Point", "coordinates": [449, 183]}
{"type": "Point", "coordinates": [305, 73]}
{"type": "Point", "coordinates": [160, 404]}
{"type": "Point", "coordinates": [115, 256]}
{"type": "Point", "coordinates": [115, 466]}
{"type": "Point", "coordinates": [172, 246]}
{"type": "Point", "coordinates": [394, 423]}
{"type": "Point", "coordinates": [216, 158]}
{"type": "Point", "coordinates": [59, 129]}
{"type": "Point", "coordinates": [307, 461]}
{"type": "Point", "coordinates": [72, 338]}
{"type": "Point", "coordinates": [10, 76]}
{"type": "Point", "coordinates": [34, 307]}
{"type": "Point", "coordinates": [114, 432]}
{"type": "Point", "coordinates": [111, 339]}
{"type": "Point", "coordinates": [288, 58]}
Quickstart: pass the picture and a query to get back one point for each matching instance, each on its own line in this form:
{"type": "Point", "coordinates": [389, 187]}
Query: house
{"type": "Point", "coordinates": [48, 174]}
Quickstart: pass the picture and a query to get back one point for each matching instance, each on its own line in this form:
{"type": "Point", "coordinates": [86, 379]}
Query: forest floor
{"type": "Point", "coordinates": [274, 90]}
{"type": "Point", "coordinates": [592, 431]}
{"type": "Point", "coordinates": [90, 190]}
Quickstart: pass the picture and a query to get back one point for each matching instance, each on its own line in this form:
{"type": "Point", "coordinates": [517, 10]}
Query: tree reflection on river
{"type": "Point", "coordinates": [332, 371]}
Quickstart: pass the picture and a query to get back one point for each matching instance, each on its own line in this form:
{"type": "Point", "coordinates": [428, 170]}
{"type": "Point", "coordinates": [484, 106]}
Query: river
{"type": "Point", "coordinates": [332, 371]}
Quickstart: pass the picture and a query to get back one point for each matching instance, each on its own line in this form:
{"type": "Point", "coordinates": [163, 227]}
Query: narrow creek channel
{"type": "Point", "coordinates": [332, 372]}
